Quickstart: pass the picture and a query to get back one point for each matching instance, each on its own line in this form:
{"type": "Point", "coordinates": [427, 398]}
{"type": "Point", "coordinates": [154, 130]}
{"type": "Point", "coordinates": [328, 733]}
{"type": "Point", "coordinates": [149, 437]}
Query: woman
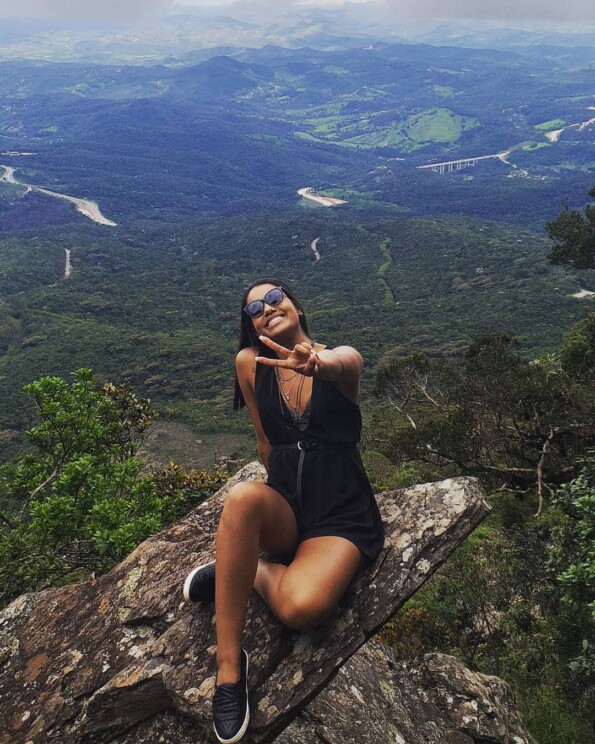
{"type": "Point", "coordinates": [317, 504]}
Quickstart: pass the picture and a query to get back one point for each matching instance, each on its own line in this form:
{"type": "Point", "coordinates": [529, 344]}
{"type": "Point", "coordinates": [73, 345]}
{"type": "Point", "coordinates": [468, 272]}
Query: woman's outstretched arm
{"type": "Point", "coordinates": [342, 365]}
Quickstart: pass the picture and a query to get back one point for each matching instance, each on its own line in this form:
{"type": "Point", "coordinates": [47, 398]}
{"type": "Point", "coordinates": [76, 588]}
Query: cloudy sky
{"type": "Point", "coordinates": [575, 11]}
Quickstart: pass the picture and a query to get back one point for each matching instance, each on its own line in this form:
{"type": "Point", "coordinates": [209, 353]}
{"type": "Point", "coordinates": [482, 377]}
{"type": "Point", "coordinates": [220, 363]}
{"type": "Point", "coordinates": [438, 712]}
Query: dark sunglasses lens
{"type": "Point", "coordinates": [254, 309]}
{"type": "Point", "coordinates": [274, 296]}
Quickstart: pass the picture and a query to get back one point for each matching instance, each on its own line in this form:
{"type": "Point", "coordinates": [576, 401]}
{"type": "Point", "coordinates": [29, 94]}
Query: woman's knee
{"type": "Point", "coordinates": [304, 611]}
{"type": "Point", "coordinates": [243, 503]}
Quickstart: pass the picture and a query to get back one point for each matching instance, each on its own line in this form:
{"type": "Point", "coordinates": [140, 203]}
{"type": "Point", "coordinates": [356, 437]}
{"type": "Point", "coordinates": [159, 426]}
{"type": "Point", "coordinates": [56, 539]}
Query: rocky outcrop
{"type": "Point", "coordinates": [121, 657]}
{"type": "Point", "coordinates": [434, 700]}
{"type": "Point", "coordinates": [376, 699]}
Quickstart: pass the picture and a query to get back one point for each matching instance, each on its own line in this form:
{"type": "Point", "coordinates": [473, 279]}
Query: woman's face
{"type": "Point", "coordinates": [276, 320]}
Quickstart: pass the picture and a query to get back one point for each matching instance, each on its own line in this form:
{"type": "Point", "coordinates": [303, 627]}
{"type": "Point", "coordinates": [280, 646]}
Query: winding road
{"type": "Point", "coordinates": [554, 135]}
{"type": "Point", "coordinates": [325, 201]}
{"type": "Point", "coordinates": [86, 207]}
{"type": "Point", "coordinates": [68, 265]}
{"type": "Point", "coordinates": [583, 293]}
{"type": "Point", "coordinates": [315, 249]}
{"type": "Point", "coordinates": [8, 175]}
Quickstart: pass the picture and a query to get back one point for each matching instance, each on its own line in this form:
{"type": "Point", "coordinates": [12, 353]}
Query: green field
{"type": "Point", "coordinates": [549, 125]}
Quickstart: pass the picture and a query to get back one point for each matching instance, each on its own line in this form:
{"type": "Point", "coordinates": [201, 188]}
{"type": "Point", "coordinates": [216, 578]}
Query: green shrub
{"type": "Point", "coordinates": [83, 500]}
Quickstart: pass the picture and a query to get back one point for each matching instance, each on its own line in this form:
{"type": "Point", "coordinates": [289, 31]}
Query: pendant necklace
{"type": "Point", "coordinates": [281, 383]}
{"type": "Point", "coordinates": [293, 410]}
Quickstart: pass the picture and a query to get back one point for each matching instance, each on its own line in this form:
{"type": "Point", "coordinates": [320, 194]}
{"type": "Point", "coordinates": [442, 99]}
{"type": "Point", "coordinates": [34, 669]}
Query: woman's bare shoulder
{"type": "Point", "coordinates": [247, 354]}
{"type": "Point", "coordinates": [348, 355]}
{"type": "Point", "coordinates": [245, 364]}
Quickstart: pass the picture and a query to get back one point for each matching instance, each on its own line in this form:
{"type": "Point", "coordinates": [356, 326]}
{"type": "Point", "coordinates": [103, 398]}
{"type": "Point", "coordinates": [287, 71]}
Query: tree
{"type": "Point", "coordinates": [578, 352]}
{"type": "Point", "coordinates": [574, 236]}
{"type": "Point", "coordinates": [518, 425]}
{"type": "Point", "coordinates": [577, 499]}
{"type": "Point", "coordinates": [517, 598]}
{"type": "Point", "coordinates": [83, 499]}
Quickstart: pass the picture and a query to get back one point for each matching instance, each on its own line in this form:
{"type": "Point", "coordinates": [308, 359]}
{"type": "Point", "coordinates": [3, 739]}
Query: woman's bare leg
{"type": "Point", "coordinates": [254, 516]}
{"type": "Point", "coordinates": [306, 592]}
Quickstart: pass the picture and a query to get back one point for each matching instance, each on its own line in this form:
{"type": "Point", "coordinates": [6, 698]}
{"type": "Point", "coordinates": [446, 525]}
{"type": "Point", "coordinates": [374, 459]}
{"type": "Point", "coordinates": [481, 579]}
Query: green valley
{"type": "Point", "coordinates": [158, 307]}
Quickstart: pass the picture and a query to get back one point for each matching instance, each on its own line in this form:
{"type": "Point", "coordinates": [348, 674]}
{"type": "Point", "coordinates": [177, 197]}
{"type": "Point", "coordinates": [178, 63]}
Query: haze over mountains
{"type": "Point", "coordinates": [151, 31]}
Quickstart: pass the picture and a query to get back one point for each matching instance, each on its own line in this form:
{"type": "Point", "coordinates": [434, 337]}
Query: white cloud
{"type": "Point", "coordinates": [82, 10]}
{"type": "Point", "coordinates": [500, 10]}
{"type": "Point", "coordinates": [113, 10]}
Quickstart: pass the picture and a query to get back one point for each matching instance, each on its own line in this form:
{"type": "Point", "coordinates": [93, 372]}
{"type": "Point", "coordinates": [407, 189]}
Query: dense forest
{"type": "Point", "coordinates": [419, 284]}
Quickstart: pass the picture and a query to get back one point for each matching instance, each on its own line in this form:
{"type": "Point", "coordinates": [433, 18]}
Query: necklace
{"type": "Point", "coordinates": [283, 393]}
{"type": "Point", "coordinates": [282, 383]}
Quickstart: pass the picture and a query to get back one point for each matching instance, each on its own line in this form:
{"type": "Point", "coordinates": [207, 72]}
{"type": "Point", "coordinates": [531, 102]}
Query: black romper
{"type": "Point", "coordinates": [318, 469]}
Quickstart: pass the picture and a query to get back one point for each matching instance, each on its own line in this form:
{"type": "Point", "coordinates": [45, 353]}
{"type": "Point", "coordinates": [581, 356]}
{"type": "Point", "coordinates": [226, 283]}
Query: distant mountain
{"type": "Point", "coordinates": [243, 132]}
{"type": "Point", "coordinates": [198, 159]}
{"type": "Point", "coordinates": [252, 24]}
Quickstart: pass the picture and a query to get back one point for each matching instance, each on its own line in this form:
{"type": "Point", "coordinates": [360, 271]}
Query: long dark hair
{"type": "Point", "coordinates": [248, 336]}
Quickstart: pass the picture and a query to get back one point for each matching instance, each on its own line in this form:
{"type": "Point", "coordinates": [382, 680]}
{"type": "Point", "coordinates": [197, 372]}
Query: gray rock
{"type": "Point", "coordinates": [376, 699]}
{"type": "Point", "coordinates": [121, 655]}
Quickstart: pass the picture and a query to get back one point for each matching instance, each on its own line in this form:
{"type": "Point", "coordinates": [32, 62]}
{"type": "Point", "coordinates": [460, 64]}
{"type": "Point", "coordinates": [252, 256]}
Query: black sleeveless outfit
{"type": "Point", "coordinates": [318, 469]}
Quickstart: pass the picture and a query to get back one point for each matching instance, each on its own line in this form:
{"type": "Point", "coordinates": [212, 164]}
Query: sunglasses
{"type": "Point", "coordinates": [273, 297]}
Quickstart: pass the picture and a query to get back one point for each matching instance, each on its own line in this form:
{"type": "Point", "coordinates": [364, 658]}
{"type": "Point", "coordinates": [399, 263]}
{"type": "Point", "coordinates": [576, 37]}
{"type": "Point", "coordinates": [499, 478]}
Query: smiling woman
{"type": "Point", "coordinates": [316, 511]}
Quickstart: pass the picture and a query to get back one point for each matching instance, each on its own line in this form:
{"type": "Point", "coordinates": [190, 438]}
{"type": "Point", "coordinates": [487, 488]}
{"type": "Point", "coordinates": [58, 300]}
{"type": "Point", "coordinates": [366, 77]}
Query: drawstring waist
{"type": "Point", "coordinates": [307, 445]}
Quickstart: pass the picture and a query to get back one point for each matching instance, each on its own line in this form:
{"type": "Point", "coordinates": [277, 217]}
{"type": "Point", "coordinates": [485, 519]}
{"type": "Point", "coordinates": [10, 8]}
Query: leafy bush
{"type": "Point", "coordinates": [83, 500]}
{"type": "Point", "coordinates": [576, 548]}
{"type": "Point", "coordinates": [519, 425]}
{"type": "Point", "coordinates": [573, 234]}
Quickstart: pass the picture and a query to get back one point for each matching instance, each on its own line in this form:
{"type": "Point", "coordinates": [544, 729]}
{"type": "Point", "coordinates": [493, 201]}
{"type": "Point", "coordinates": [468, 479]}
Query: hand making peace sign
{"type": "Point", "coordinates": [302, 358]}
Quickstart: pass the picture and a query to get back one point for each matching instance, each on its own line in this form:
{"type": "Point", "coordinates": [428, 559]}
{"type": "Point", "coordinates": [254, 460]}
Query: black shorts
{"type": "Point", "coordinates": [329, 494]}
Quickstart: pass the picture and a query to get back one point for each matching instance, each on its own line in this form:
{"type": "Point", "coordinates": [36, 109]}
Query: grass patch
{"type": "Point", "coordinates": [383, 270]}
{"type": "Point", "coordinates": [311, 138]}
{"type": "Point", "coordinates": [445, 91]}
{"type": "Point", "coordinates": [333, 70]}
{"type": "Point", "coordinates": [549, 720]}
{"type": "Point", "coordinates": [436, 125]}
{"type": "Point", "coordinates": [535, 146]}
{"type": "Point", "coordinates": [552, 124]}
